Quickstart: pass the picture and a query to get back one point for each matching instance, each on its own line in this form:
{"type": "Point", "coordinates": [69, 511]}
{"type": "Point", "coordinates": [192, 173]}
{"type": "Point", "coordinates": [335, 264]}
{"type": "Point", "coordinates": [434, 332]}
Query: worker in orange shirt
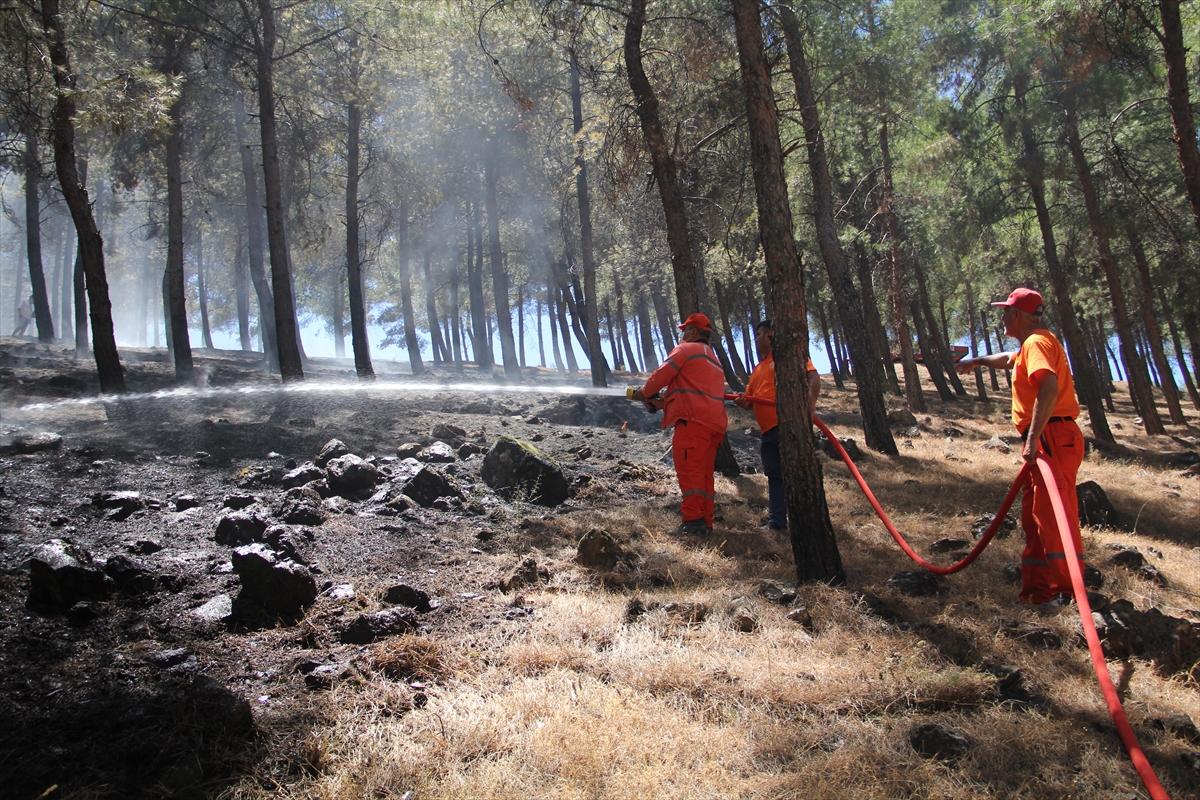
{"type": "Point", "coordinates": [762, 384]}
{"type": "Point", "coordinates": [1044, 409]}
{"type": "Point", "coordinates": [693, 402]}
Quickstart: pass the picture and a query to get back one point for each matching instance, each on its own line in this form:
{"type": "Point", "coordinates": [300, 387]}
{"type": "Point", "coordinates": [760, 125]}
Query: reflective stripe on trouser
{"type": "Point", "coordinates": [1043, 565]}
{"type": "Point", "coordinates": [694, 449]}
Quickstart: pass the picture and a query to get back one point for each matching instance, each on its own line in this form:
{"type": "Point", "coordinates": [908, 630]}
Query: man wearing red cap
{"type": "Point", "coordinates": [694, 402]}
{"type": "Point", "coordinates": [1044, 409]}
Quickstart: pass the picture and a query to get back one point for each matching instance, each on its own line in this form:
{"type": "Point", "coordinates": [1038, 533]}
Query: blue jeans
{"type": "Point", "coordinates": [773, 469]}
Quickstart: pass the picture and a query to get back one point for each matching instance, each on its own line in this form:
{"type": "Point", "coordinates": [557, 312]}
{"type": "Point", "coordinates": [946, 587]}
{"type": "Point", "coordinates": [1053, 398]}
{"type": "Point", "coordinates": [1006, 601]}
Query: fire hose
{"type": "Point", "coordinates": [1045, 473]}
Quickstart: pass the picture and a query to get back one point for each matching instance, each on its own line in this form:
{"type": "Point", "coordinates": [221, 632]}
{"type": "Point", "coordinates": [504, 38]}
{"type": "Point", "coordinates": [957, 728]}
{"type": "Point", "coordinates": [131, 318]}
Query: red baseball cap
{"type": "Point", "coordinates": [697, 321]}
{"type": "Point", "coordinates": [1023, 299]}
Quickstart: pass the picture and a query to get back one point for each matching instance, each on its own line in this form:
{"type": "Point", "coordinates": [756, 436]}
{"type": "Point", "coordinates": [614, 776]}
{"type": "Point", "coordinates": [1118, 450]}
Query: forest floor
{"type": "Point", "coordinates": [684, 670]}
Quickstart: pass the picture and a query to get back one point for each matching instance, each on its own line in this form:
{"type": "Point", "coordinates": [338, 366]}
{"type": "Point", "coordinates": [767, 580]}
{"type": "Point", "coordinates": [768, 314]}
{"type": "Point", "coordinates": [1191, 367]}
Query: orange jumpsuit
{"type": "Point", "coordinates": [1043, 564]}
{"type": "Point", "coordinates": [695, 405]}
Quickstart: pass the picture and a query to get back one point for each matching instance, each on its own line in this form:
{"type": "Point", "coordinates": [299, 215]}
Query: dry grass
{"type": "Point", "coordinates": [587, 704]}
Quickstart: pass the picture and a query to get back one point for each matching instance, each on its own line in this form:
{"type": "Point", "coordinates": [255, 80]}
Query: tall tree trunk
{"type": "Point", "coordinates": [939, 342]}
{"type": "Point", "coordinates": [455, 316]}
{"type": "Point", "coordinates": [823, 320]}
{"type": "Point", "coordinates": [540, 335]}
{"type": "Point", "coordinates": [54, 289]}
{"type": "Point", "coordinates": [286, 330]}
{"type": "Point", "coordinates": [622, 324]}
{"type": "Point", "coordinates": [354, 276]}
{"type": "Point", "coordinates": [551, 292]}
{"type": "Point", "coordinates": [255, 242]}
{"type": "Point", "coordinates": [404, 249]}
{"type": "Point", "coordinates": [564, 328]}
{"type": "Point", "coordinates": [666, 329]}
{"type": "Point", "coordinates": [868, 367]}
{"type": "Point", "coordinates": [508, 348]}
{"type": "Point", "coordinates": [91, 246]}
{"type": "Point", "coordinates": [1175, 54]}
{"type": "Point", "coordinates": [436, 346]}
{"type": "Point", "coordinates": [339, 312]}
{"type": "Point", "coordinates": [980, 390]}
{"type": "Point", "coordinates": [1087, 384]}
{"type": "Point", "coordinates": [1139, 384]}
{"type": "Point", "coordinates": [984, 328]}
{"type": "Point", "coordinates": [66, 321]}
{"type": "Point", "coordinates": [928, 357]}
{"type": "Point", "coordinates": [241, 280]}
{"type": "Point", "coordinates": [1180, 356]}
{"type": "Point", "coordinates": [612, 337]}
{"type": "Point", "coordinates": [591, 323]}
{"type": "Point", "coordinates": [33, 243]}
{"type": "Point", "coordinates": [662, 164]}
{"type": "Point", "coordinates": [649, 357]}
{"type": "Point", "coordinates": [739, 368]}
{"type": "Point", "coordinates": [874, 322]}
{"type": "Point", "coordinates": [480, 342]}
{"type": "Point", "coordinates": [1153, 331]}
{"type": "Point", "coordinates": [202, 290]}
{"type": "Point", "coordinates": [814, 545]}
{"type": "Point", "coordinates": [181, 344]}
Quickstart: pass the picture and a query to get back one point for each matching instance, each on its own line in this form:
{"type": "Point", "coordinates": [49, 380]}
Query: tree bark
{"type": "Point", "coordinates": [1179, 101]}
{"type": "Point", "coordinates": [286, 330]}
{"type": "Point", "coordinates": [1180, 356]}
{"type": "Point", "coordinates": [980, 390]}
{"type": "Point", "coordinates": [739, 368]}
{"type": "Point", "coordinates": [622, 324]}
{"type": "Point", "coordinates": [33, 243]}
{"type": "Point", "coordinates": [874, 322]}
{"type": "Point", "coordinates": [822, 319]}
{"type": "Point", "coordinates": [662, 164]}
{"type": "Point", "coordinates": [1084, 372]}
{"type": "Point", "coordinates": [91, 246]}
{"type": "Point", "coordinates": [242, 287]}
{"type": "Point", "coordinates": [666, 329]}
{"type": "Point", "coordinates": [867, 365]}
{"type": "Point", "coordinates": [255, 241]}
{"type": "Point", "coordinates": [354, 276]}
{"type": "Point", "coordinates": [649, 356]}
{"type": "Point", "coordinates": [181, 344]}
{"type": "Point", "coordinates": [508, 348]}
{"type": "Point", "coordinates": [814, 545]}
{"type": "Point", "coordinates": [415, 365]}
{"type": "Point", "coordinates": [1139, 384]}
{"type": "Point", "coordinates": [1153, 331]}
{"type": "Point", "coordinates": [944, 365]}
{"type": "Point", "coordinates": [583, 199]}
{"type": "Point", "coordinates": [202, 291]}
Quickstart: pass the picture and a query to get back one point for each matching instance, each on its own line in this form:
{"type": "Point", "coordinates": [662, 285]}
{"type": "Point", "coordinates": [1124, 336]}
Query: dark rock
{"type": "Point", "coordinates": [688, 613]}
{"type": "Point", "coordinates": [349, 474]}
{"type": "Point", "coordinates": [437, 453]}
{"type": "Point", "coordinates": [915, 583]}
{"type": "Point", "coordinates": [257, 476]}
{"type": "Point", "coordinates": [326, 675]}
{"type": "Point", "coordinates": [1094, 506]}
{"type": "Point", "coordinates": [849, 445]}
{"type": "Point", "coordinates": [62, 574]}
{"type": "Point", "coordinates": [568, 411]}
{"type": "Point", "coordinates": [218, 708]}
{"type": "Point", "coordinates": [83, 612]}
{"type": "Point", "coordinates": [168, 658]}
{"type": "Point", "coordinates": [68, 382]}
{"type": "Point", "coordinates": [305, 473]}
{"type": "Point", "coordinates": [1093, 578]}
{"type": "Point", "coordinates": [742, 616]}
{"type": "Point", "coordinates": [637, 607]}
{"type": "Point", "coordinates": [334, 448]}
{"type": "Point", "coordinates": [802, 617]}
{"type": "Point", "coordinates": [468, 449]}
{"type": "Point", "coordinates": [120, 505]}
{"type": "Point", "coordinates": [240, 527]}
{"type": "Point", "coordinates": [144, 547]}
{"type": "Point", "coordinates": [1038, 636]}
{"type": "Point", "coordinates": [335, 505]}
{"type": "Point", "coordinates": [1128, 557]}
{"type": "Point", "coordinates": [129, 575]}
{"type": "Point", "coordinates": [1179, 724]}
{"type": "Point", "coordinates": [237, 502]}
{"type": "Point", "coordinates": [37, 442]}
{"type": "Point", "coordinates": [450, 434]}
{"type": "Point", "coordinates": [405, 595]}
{"type": "Point", "coordinates": [518, 469]}
{"type": "Point", "coordinates": [527, 573]}
{"type": "Point", "coordinates": [476, 408]}
{"type": "Point", "coordinates": [1011, 574]}
{"type": "Point", "coordinates": [980, 526]}
{"type": "Point", "coordinates": [300, 505]}
{"type": "Point", "coordinates": [952, 433]}
{"type": "Point", "coordinates": [948, 545]}
{"type": "Point", "coordinates": [1191, 760]}
{"type": "Point", "coordinates": [902, 418]}
{"type": "Point", "coordinates": [597, 549]}
{"type": "Point", "coordinates": [937, 741]}
{"type": "Point", "coordinates": [366, 628]}
{"type": "Point", "coordinates": [777, 592]}
{"type": "Point", "coordinates": [1152, 574]}
{"type": "Point", "coordinates": [1173, 644]}
{"type": "Point", "coordinates": [409, 450]}
{"type": "Point", "coordinates": [286, 543]}
{"type": "Point", "coordinates": [185, 501]}
{"type": "Point", "coordinates": [279, 586]}
{"type": "Point", "coordinates": [581, 452]}
{"type": "Point", "coordinates": [429, 484]}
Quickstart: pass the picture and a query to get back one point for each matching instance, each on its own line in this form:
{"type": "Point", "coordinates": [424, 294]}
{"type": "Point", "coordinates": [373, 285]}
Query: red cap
{"type": "Point", "coordinates": [697, 321]}
{"type": "Point", "coordinates": [1023, 299]}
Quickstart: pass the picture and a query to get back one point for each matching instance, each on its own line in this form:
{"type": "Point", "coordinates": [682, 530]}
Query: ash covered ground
{"type": "Point", "coordinates": [140, 688]}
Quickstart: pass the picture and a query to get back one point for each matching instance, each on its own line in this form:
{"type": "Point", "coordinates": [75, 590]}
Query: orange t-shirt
{"type": "Point", "coordinates": [762, 384]}
{"type": "Point", "coordinates": [1041, 351]}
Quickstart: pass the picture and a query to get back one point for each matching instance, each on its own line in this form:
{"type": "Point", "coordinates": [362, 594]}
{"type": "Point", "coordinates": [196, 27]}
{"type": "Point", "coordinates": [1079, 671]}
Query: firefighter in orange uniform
{"type": "Point", "coordinates": [694, 402]}
{"type": "Point", "coordinates": [1044, 409]}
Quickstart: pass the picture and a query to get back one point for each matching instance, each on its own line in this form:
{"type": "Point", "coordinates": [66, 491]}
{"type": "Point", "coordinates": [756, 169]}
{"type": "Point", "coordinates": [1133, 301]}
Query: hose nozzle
{"type": "Point", "coordinates": [629, 390]}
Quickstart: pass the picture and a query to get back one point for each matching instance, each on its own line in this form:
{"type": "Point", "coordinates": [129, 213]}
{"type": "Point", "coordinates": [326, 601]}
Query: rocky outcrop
{"type": "Point", "coordinates": [516, 469]}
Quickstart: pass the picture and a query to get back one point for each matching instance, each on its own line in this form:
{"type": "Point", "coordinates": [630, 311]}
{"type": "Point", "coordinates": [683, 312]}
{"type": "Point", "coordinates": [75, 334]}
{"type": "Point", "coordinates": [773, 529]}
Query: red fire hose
{"type": "Point", "coordinates": [1045, 474]}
